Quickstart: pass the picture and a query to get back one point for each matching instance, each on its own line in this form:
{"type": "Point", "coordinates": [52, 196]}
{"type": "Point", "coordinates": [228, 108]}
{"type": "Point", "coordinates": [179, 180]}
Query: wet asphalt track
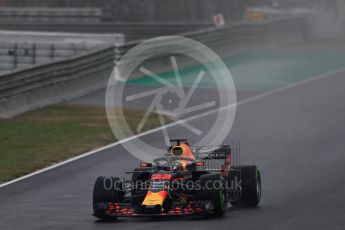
{"type": "Point", "coordinates": [296, 137]}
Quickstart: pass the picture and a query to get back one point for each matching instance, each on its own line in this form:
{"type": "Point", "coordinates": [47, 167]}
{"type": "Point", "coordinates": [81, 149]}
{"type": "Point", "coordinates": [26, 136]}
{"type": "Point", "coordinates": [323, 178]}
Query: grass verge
{"type": "Point", "coordinates": [39, 138]}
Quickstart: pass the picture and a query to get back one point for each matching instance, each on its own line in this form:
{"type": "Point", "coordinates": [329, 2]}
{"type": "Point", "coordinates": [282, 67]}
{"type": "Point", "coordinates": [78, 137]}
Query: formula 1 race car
{"type": "Point", "coordinates": [188, 180]}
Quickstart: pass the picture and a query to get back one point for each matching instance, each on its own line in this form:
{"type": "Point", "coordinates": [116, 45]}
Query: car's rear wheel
{"type": "Point", "coordinates": [251, 186]}
{"type": "Point", "coordinates": [212, 188]}
{"type": "Point", "coordinates": [106, 189]}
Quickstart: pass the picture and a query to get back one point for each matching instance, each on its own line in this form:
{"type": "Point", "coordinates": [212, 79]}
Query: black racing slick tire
{"type": "Point", "coordinates": [212, 188]}
{"type": "Point", "coordinates": [106, 189]}
{"type": "Point", "coordinates": [251, 187]}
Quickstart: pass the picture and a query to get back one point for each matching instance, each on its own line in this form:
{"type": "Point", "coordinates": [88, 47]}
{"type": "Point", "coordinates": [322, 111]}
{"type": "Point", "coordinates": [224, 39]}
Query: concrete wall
{"type": "Point", "coordinates": [150, 10]}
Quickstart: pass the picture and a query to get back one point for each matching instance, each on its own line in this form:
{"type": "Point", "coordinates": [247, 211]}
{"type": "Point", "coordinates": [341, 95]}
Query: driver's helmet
{"type": "Point", "coordinates": [183, 151]}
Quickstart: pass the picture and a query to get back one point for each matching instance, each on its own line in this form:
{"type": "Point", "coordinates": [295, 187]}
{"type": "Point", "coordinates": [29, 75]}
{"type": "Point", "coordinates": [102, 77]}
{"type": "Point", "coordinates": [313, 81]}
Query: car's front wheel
{"type": "Point", "coordinates": [106, 189]}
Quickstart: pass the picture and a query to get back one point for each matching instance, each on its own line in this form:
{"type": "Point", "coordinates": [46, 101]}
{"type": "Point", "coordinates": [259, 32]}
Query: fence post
{"type": "Point", "coordinates": [52, 51]}
{"type": "Point", "coordinates": [33, 53]}
{"type": "Point", "coordinates": [15, 56]}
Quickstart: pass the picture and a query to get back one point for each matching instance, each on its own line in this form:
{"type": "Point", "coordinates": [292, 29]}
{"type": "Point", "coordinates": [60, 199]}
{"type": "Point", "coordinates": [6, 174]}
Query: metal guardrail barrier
{"type": "Point", "coordinates": [132, 30]}
{"type": "Point", "coordinates": [57, 81]}
{"type": "Point", "coordinates": [44, 84]}
{"type": "Point", "coordinates": [50, 14]}
{"type": "Point", "coordinates": [25, 80]}
{"type": "Point", "coordinates": [21, 49]}
{"type": "Point", "coordinates": [15, 55]}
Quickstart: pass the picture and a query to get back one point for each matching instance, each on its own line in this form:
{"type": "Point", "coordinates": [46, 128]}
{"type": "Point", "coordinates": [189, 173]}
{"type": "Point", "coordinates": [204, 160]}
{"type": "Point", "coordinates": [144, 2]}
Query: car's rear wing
{"type": "Point", "coordinates": [216, 156]}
